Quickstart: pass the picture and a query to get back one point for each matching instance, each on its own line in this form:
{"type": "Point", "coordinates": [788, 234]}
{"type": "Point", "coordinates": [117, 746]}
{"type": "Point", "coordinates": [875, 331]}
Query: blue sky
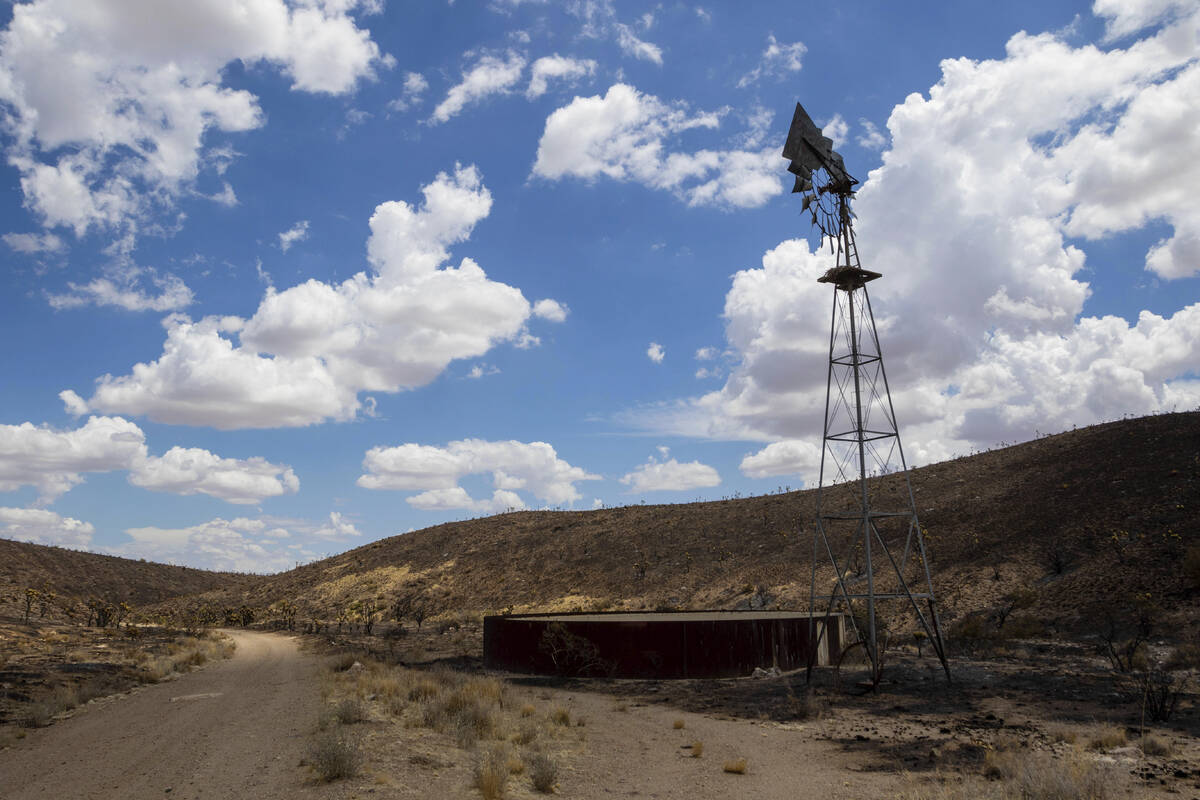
{"type": "Point", "coordinates": [285, 277]}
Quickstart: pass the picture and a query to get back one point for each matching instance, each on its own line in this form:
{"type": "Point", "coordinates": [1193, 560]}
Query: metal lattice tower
{"type": "Point", "coordinates": [866, 530]}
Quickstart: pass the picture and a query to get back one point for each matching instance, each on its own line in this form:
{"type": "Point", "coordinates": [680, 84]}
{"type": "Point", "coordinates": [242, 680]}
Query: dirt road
{"type": "Point", "coordinates": [233, 729]}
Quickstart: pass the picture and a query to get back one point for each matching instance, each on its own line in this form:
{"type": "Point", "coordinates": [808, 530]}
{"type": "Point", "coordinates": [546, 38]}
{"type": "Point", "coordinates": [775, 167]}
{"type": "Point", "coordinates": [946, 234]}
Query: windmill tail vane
{"type": "Point", "coordinates": [866, 529]}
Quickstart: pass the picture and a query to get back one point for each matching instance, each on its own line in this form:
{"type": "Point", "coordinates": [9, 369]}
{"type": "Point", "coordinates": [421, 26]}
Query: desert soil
{"type": "Point", "coordinates": [238, 728]}
{"type": "Point", "coordinates": [243, 728]}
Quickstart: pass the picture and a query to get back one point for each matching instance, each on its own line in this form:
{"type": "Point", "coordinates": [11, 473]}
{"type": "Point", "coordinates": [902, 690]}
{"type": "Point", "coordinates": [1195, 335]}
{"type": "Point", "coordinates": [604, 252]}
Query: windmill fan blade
{"type": "Point", "coordinates": [809, 149]}
{"type": "Point", "coordinates": [803, 131]}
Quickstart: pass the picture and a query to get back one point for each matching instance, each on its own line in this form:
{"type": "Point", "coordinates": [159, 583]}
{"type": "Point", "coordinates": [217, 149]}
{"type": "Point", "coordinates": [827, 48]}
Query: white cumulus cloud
{"type": "Point", "coordinates": [310, 350]}
{"type": "Point", "coordinates": [836, 129]}
{"type": "Point", "coordinates": [982, 310]}
{"type": "Point", "coordinates": [670, 476]}
{"type": "Point", "coordinates": [625, 135]}
{"type": "Point", "coordinates": [600, 21]}
{"type": "Point", "coordinates": [778, 60]}
{"type": "Point", "coordinates": [656, 353]}
{"type": "Point", "coordinates": [53, 461]}
{"type": "Point", "coordinates": [44, 527]}
{"type": "Point", "coordinates": [192, 470]}
{"type": "Point", "coordinates": [551, 310]}
{"type": "Point", "coordinates": [240, 544]}
{"type": "Point", "coordinates": [296, 233]}
{"type": "Point", "coordinates": [871, 137]}
{"type": "Point", "coordinates": [110, 103]}
{"type": "Point", "coordinates": [415, 85]}
{"type": "Point", "coordinates": [30, 243]}
{"type": "Point", "coordinates": [128, 288]}
{"type": "Point", "coordinates": [489, 75]}
{"type": "Point", "coordinates": [790, 457]}
{"type": "Point", "coordinates": [556, 67]}
{"type": "Point", "coordinates": [632, 45]}
{"type": "Point", "coordinates": [338, 527]}
{"type": "Point", "coordinates": [532, 467]}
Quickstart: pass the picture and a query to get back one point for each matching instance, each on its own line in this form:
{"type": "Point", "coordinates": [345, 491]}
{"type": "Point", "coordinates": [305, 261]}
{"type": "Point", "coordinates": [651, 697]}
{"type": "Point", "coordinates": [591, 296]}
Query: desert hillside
{"type": "Point", "coordinates": [69, 578]}
{"type": "Point", "coordinates": [1089, 519]}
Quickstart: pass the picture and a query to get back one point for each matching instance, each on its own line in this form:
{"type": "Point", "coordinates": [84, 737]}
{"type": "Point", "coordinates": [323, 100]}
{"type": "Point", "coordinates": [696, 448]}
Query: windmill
{"type": "Point", "coordinates": [866, 530]}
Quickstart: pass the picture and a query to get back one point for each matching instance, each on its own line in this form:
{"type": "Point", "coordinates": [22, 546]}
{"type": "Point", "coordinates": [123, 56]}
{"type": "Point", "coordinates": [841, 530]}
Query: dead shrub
{"type": "Point", "coordinates": [801, 706]}
{"type": "Point", "coordinates": [572, 655]}
{"type": "Point", "coordinates": [735, 766]}
{"type": "Point", "coordinates": [473, 722]}
{"type": "Point", "coordinates": [543, 771]}
{"type": "Point", "coordinates": [433, 713]}
{"type": "Point", "coordinates": [39, 714]}
{"type": "Point", "coordinates": [335, 754]}
{"type": "Point", "coordinates": [697, 749]}
{"type": "Point", "coordinates": [677, 725]}
{"type": "Point", "coordinates": [560, 716]}
{"type": "Point", "coordinates": [528, 710]}
{"type": "Point", "coordinates": [1125, 633]}
{"type": "Point", "coordinates": [1158, 692]}
{"type": "Point", "coordinates": [350, 711]}
{"type": "Point", "coordinates": [42, 712]}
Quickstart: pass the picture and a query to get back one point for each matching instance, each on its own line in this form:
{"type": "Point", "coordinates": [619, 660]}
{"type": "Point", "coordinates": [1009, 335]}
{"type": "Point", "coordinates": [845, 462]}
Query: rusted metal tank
{"type": "Point", "coordinates": [678, 644]}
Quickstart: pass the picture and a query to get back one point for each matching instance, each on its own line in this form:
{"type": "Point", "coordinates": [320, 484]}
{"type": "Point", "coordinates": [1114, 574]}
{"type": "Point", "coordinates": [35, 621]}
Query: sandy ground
{"type": "Point", "coordinates": [242, 729]}
{"type": "Point", "coordinates": [634, 750]}
{"type": "Point", "coordinates": [234, 729]}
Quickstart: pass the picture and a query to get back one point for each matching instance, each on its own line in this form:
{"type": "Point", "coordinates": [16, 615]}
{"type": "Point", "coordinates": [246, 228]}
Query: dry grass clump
{"type": "Point", "coordinates": [491, 772]}
{"type": "Point", "coordinates": [1108, 737]}
{"type": "Point", "coordinates": [42, 712]}
{"type": "Point", "coordinates": [334, 754]}
{"type": "Point", "coordinates": [697, 749]}
{"type": "Point", "coordinates": [1038, 775]}
{"type": "Point", "coordinates": [802, 706]}
{"type": "Point", "coordinates": [500, 738]}
{"type": "Point", "coordinates": [527, 732]}
{"type": "Point", "coordinates": [1061, 733]}
{"type": "Point", "coordinates": [735, 766]}
{"type": "Point", "coordinates": [469, 709]}
{"type": "Point", "coordinates": [475, 721]}
{"type": "Point", "coordinates": [341, 662]}
{"type": "Point", "coordinates": [677, 725]}
{"type": "Point", "coordinates": [1152, 745]}
{"type": "Point", "coordinates": [184, 653]}
{"type": "Point", "coordinates": [543, 772]}
{"type": "Point", "coordinates": [423, 689]}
